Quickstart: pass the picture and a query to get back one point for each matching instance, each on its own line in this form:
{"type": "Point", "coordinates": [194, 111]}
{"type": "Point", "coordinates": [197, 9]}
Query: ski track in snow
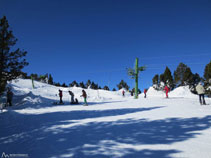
{"type": "Point", "coordinates": [110, 127]}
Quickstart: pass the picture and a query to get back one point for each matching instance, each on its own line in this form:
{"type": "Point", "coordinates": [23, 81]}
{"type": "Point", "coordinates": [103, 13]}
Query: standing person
{"type": "Point", "coordinates": [123, 93]}
{"type": "Point", "coordinates": [201, 91]}
{"type": "Point", "coordinates": [145, 93]}
{"type": "Point", "coordinates": [60, 96]}
{"type": "Point", "coordinates": [72, 96]}
{"type": "Point", "coordinates": [9, 97]}
{"type": "Point", "coordinates": [166, 89]}
{"type": "Point", "coordinates": [131, 93]}
{"type": "Point", "coordinates": [84, 95]}
{"type": "Point", "coordinates": [1, 103]}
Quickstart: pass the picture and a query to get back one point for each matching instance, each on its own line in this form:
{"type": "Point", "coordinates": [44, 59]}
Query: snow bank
{"type": "Point", "coordinates": [154, 93]}
{"type": "Point", "coordinates": [182, 92]}
{"type": "Point", "coordinates": [44, 94]}
{"type": "Point", "coordinates": [47, 94]}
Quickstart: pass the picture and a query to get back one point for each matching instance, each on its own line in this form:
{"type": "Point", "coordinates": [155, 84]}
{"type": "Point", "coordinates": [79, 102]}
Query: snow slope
{"type": "Point", "coordinates": [111, 126]}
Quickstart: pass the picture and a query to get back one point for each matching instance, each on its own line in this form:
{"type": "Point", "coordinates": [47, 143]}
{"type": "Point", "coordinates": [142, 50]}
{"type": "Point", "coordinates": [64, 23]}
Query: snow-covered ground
{"type": "Point", "coordinates": [110, 127]}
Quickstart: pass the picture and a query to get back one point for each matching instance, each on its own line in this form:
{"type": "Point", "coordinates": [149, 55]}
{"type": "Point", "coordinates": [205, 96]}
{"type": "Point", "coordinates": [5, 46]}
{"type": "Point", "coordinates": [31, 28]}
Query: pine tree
{"type": "Point", "coordinates": [81, 84]}
{"type": "Point", "coordinates": [46, 78]}
{"type": "Point", "coordinates": [50, 80]}
{"type": "Point", "coordinates": [73, 84]}
{"type": "Point", "coordinates": [106, 88]}
{"type": "Point", "coordinates": [168, 79]}
{"type": "Point", "coordinates": [123, 84]}
{"type": "Point", "coordinates": [162, 81]}
{"type": "Point", "coordinates": [155, 81]}
{"type": "Point", "coordinates": [113, 89]}
{"type": "Point", "coordinates": [35, 77]}
{"type": "Point", "coordinates": [188, 77]}
{"type": "Point", "coordinates": [57, 84]}
{"type": "Point", "coordinates": [43, 78]}
{"type": "Point", "coordinates": [179, 74]}
{"type": "Point", "coordinates": [207, 77]}
{"type": "Point", "coordinates": [88, 84]}
{"type": "Point", "coordinates": [162, 78]}
{"type": "Point", "coordinates": [207, 72]}
{"type": "Point", "coordinates": [196, 78]}
{"type": "Point", "coordinates": [94, 86]}
{"type": "Point", "coordinates": [64, 85]}
{"type": "Point", "coordinates": [11, 62]}
{"type": "Point", "coordinates": [24, 75]}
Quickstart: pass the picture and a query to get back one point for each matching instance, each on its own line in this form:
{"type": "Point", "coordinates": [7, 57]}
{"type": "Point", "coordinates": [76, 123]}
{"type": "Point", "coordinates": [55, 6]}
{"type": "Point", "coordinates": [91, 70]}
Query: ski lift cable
{"type": "Point", "coordinates": [176, 56]}
{"type": "Point", "coordinates": [156, 66]}
{"type": "Point", "coordinates": [151, 66]}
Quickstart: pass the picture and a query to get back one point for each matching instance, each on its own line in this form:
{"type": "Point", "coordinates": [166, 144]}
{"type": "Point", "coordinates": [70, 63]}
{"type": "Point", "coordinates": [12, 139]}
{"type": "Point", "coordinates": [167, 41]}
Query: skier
{"type": "Point", "coordinates": [9, 97]}
{"type": "Point", "coordinates": [123, 93]}
{"type": "Point", "coordinates": [84, 96]}
{"type": "Point", "coordinates": [145, 93]}
{"type": "Point", "coordinates": [131, 93]}
{"type": "Point", "coordinates": [201, 91]}
{"type": "Point", "coordinates": [166, 89]}
{"type": "Point", "coordinates": [72, 97]}
{"type": "Point", "coordinates": [60, 96]}
{"type": "Point", "coordinates": [1, 103]}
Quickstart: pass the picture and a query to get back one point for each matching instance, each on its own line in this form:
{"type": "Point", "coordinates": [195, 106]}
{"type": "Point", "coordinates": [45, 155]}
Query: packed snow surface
{"type": "Point", "coordinates": [111, 126]}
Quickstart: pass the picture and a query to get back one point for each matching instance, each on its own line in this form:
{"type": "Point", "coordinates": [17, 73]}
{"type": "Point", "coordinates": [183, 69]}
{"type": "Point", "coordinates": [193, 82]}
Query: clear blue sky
{"type": "Point", "coordinates": [99, 39]}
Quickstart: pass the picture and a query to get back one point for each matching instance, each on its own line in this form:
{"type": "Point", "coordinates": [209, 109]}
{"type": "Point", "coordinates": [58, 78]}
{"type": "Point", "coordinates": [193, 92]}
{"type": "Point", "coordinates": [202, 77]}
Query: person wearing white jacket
{"type": "Point", "coordinates": [201, 91]}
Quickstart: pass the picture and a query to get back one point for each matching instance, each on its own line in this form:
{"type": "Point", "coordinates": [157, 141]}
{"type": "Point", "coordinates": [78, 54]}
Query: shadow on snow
{"type": "Point", "coordinates": [96, 139]}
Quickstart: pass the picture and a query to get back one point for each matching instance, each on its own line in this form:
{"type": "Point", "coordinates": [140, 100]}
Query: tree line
{"type": "Point", "coordinates": [89, 84]}
{"type": "Point", "coordinates": [183, 76]}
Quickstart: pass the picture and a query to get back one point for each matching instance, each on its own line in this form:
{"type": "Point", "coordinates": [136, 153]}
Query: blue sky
{"type": "Point", "coordinates": [99, 39]}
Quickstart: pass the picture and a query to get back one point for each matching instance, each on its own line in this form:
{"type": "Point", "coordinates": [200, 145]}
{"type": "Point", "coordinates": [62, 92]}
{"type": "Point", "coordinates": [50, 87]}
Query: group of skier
{"type": "Point", "coordinates": [131, 93]}
{"type": "Point", "coordinates": [166, 89]}
{"type": "Point", "coordinates": [73, 101]}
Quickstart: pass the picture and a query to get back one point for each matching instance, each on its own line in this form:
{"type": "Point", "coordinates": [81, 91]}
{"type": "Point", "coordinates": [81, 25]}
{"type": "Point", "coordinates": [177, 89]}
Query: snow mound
{"type": "Point", "coordinates": [154, 93]}
{"type": "Point", "coordinates": [182, 92]}
{"type": "Point", "coordinates": [44, 94]}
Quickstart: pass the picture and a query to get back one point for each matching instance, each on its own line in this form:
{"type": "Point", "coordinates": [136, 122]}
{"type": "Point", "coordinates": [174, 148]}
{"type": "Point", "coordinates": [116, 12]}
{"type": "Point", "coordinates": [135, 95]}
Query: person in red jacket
{"type": "Point", "coordinates": [145, 93]}
{"type": "Point", "coordinates": [166, 89]}
{"type": "Point", "coordinates": [60, 96]}
{"type": "Point", "coordinates": [123, 93]}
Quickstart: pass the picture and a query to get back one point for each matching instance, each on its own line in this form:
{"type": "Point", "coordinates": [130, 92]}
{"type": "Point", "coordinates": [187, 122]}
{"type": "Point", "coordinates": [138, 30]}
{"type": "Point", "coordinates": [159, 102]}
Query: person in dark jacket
{"type": "Point", "coordinates": [84, 95]}
{"type": "Point", "coordinates": [9, 97]}
{"type": "Point", "coordinates": [76, 101]}
{"type": "Point", "coordinates": [60, 96]}
{"type": "Point", "coordinates": [131, 93]}
{"type": "Point", "coordinates": [72, 97]}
